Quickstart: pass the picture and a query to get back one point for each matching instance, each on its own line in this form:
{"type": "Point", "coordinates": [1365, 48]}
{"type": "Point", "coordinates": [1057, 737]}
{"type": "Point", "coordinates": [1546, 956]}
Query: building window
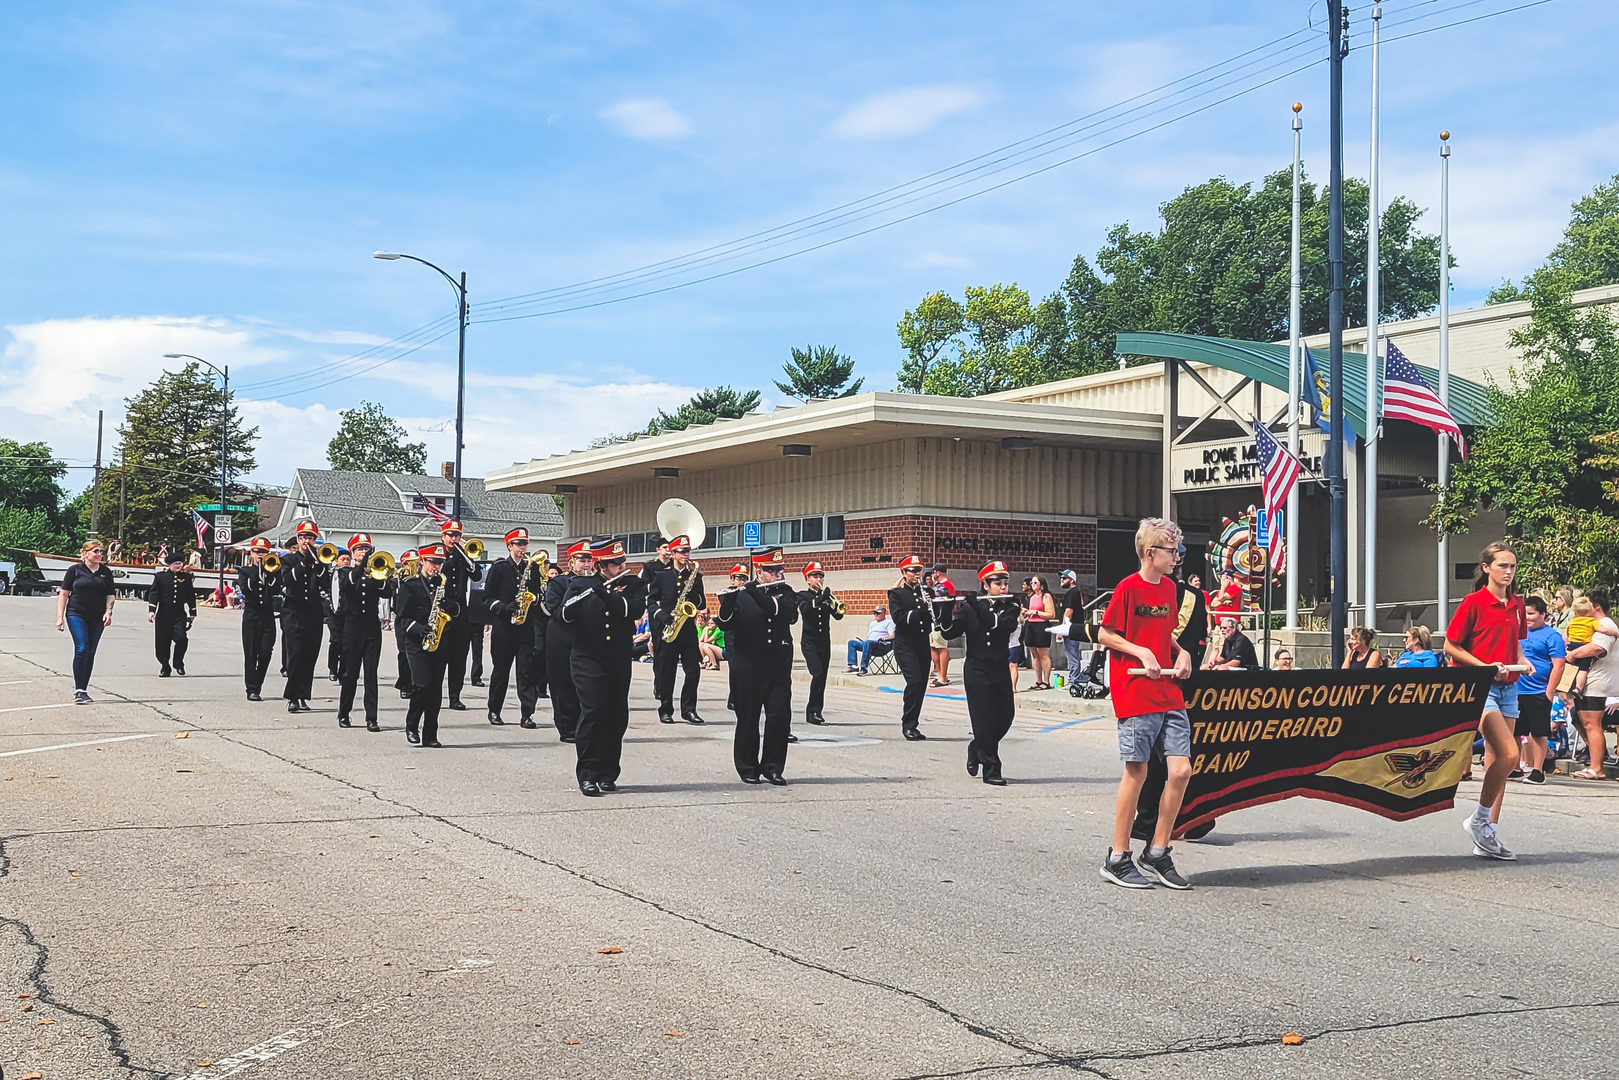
{"type": "Point", "coordinates": [419, 503]}
{"type": "Point", "coordinates": [810, 530]}
{"type": "Point", "coordinates": [834, 527]}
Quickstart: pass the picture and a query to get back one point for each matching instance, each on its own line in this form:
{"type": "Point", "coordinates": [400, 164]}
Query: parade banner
{"type": "Point", "coordinates": [1395, 741]}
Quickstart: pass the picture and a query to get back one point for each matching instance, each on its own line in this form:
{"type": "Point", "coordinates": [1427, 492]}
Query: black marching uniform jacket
{"type": "Point", "coordinates": [172, 601]}
{"type": "Point", "coordinates": [559, 658]}
{"type": "Point", "coordinates": [359, 615]}
{"type": "Point", "coordinates": [758, 622]}
{"type": "Point", "coordinates": [912, 611]}
{"type": "Point", "coordinates": [257, 588]}
{"type": "Point", "coordinates": [815, 614]}
{"type": "Point", "coordinates": [987, 623]}
{"type": "Point", "coordinates": [602, 615]}
{"type": "Point", "coordinates": [304, 580]}
{"type": "Point", "coordinates": [663, 593]}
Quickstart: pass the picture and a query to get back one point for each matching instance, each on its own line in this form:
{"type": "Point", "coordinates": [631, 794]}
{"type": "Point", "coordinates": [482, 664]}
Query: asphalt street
{"type": "Point", "coordinates": [193, 885]}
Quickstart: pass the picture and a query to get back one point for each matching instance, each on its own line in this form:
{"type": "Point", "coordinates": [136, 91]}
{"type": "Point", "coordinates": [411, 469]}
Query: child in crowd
{"type": "Point", "coordinates": [1138, 629]}
{"type": "Point", "coordinates": [1581, 626]}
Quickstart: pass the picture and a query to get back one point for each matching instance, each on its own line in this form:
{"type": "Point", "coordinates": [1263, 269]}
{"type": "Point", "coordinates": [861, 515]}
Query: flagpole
{"type": "Point", "coordinates": [1295, 361]}
{"type": "Point", "coordinates": [1373, 309]}
{"type": "Point", "coordinates": [1338, 507]}
{"type": "Point", "coordinates": [1443, 554]}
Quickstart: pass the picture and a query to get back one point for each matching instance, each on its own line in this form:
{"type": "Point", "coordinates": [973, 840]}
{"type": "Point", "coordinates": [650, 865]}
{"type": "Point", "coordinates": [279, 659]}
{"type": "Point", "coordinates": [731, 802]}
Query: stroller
{"type": "Point", "coordinates": [1093, 685]}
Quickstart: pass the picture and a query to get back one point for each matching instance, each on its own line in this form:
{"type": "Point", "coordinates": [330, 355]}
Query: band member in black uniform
{"type": "Point", "coordinates": [417, 597]}
{"type": "Point", "coordinates": [758, 619]}
{"type": "Point", "coordinates": [559, 642]}
{"type": "Point", "coordinates": [257, 587]}
{"type": "Point", "coordinates": [359, 596]}
{"type": "Point", "coordinates": [1191, 634]}
{"type": "Point", "coordinates": [504, 589]}
{"type": "Point", "coordinates": [652, 567]}
{"type": "Point", "coordinates": [303, 579]}
{"type": "Point", "coordinates": [171, 609]}
{"type": "Point", "coordinates": [681, 582]}
{"type": "Point", "coordinates": [988, 623]}
{"type": "Point", "coordinates": [603, 610]}
{"type": "Point", "coordinates": [817, 607]}
{"type": "Point", "coordinates": [458, 570]}
{"type": "Point", "coordinates": [334, 617]}
{"type": "Point", "coordinates": [409, 565]}
{"type": "Point", "coordinates": [912, 611]}
{"type": "Point", "coordinates": [478, 623]}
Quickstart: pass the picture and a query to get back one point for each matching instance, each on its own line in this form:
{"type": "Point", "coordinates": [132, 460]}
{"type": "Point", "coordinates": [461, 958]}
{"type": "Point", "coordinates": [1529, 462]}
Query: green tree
{"type": "Point", "coordinates": [34, 513]}
{"type": "Point", "coordinates": [705, 406]}
{"type": "Point", "coordinates": [1548, 460]}
{"type": "Point", "coordinates": [818, 371]}
{"type": "Point", "coordinates": [925, 333]}
{"type": "Point", "coordinates": [994, 350]}
{"type": "Point", "coordinates": [1588, 254]}
{"type": "Point", "coordinates": [169, 449]}
{"type": "Point", "coordinates": [1219, 264]}
{"type": "Point", "coordinates": [369, 440]}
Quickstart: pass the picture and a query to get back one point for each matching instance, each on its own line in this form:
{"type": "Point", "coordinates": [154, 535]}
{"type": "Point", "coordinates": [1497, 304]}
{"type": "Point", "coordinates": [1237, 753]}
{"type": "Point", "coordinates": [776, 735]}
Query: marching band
{"type": "Point", "coordinates": [571, 630]}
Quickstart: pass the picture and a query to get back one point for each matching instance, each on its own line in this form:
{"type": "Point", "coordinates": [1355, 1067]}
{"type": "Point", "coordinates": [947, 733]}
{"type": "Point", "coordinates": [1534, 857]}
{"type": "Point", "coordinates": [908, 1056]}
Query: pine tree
{"type": "Point", "coordinates": [818, 371]}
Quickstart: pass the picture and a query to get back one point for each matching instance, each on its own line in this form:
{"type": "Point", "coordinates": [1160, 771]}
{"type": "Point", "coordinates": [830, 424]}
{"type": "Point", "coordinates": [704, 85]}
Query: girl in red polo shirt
{"type": "Point", "coordinates": [1488, 630]}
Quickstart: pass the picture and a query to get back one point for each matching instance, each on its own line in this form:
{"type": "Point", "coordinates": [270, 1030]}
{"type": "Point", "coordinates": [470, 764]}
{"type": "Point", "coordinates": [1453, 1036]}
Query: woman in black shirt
{"type": "Point", "coordinates": [84, 607]}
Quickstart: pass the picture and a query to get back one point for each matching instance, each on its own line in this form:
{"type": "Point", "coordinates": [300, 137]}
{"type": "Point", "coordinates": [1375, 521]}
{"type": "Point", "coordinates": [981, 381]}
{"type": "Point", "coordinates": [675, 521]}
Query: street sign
{"type": "Point", "coordinates": [235, 508]}
{"type": "Point", "coordinates": [750, 534]}
{"type": "Point", "coordinates": [222, 521]}
{"type": "Point", "coordinates": [1262, 527]}
{"type": "Point", "coordinates": [222, 534]}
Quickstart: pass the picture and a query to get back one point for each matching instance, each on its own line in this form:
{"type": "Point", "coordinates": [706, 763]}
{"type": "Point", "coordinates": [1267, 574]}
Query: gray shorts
{"type": "Point", "coordinates": [1138, 733]}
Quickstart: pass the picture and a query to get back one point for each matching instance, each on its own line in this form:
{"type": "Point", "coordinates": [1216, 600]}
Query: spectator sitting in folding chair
{"type": "Point", "coordinates": [879, 641]}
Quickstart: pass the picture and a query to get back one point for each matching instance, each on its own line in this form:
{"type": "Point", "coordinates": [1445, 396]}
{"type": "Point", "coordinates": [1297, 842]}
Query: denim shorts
{"type": "Point", "coordinates": [1138, 733]}
{"type": "Point", "coordinates": [1504, 698]}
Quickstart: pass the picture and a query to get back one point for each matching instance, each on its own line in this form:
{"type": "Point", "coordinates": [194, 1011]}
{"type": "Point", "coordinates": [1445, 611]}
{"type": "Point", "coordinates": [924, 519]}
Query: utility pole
{"type": "Point", "coordinates": [1373, 360]}
{"type": "Point", "coordinates": [1338, 518]}
{"type": "Point", "coordinates": [123, 486]}
{"type": "Point", "coordinates": [1443, 552]}
{"type": "Point", "coordinates": [95, 485]}
{"type": "Point", "coordinates": [1295, 368]}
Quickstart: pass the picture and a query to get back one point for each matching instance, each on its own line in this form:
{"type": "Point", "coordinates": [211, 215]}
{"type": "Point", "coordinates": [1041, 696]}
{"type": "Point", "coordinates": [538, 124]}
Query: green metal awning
{"type": "Point", "coordinates": [1266, 362]}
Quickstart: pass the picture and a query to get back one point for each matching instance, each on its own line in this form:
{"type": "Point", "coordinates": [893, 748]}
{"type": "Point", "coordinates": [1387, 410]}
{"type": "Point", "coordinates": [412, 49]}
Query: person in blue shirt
{"type": "Point", "coordinates": [1545, 652]}
{"type": "Point", "coordinates": [1418, 649]}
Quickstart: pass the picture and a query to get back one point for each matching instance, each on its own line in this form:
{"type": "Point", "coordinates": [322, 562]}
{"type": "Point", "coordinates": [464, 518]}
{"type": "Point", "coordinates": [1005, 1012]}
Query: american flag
{"type": "Point", "coordinates": [199, 523]}
{"type": "Point", "coordinates": [1407, 396]}
{"type": "Point", "coordinates": [1278, 469]}
{"type": "Point", "coordinates": [439, 516]}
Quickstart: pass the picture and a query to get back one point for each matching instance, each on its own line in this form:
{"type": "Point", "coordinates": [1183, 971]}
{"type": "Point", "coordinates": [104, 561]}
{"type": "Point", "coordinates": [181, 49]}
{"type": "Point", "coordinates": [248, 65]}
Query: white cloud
{"type": "Point", "coordinates": [648, 118]}
{"type": "Point", "coordinates": [894, 113]}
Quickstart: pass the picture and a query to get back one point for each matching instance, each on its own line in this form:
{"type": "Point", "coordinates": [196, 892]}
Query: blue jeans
{"type": "Point", "coordinates": [865, 650]}
{"type": "Point", "coordinates": [86, 636]}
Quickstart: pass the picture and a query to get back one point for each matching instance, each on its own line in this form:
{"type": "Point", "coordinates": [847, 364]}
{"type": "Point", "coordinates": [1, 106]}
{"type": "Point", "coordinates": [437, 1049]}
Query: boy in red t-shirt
{"type": "Point", "coordinates": [1138, 630]}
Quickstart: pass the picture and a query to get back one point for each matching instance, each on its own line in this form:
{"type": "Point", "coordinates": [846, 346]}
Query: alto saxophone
{"type": "Point", "coordinates": [437, 620]}
{"type": "Point", "coordinates": [526, 598]}
{"type": "Point", "coordinates": [684, 609]}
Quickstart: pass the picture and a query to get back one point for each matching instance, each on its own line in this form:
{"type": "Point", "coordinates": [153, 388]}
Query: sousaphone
{"type": "Point", "coordinates": [677, 517]}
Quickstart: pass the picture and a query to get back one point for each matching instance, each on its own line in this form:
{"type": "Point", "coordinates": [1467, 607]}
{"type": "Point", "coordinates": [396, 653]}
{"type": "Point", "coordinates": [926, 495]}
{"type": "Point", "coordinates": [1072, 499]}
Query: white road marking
{"type": "Point", "coordinates": [70, 745]}
{"type": "Point", "coordinates": [19, 682]}
{"type": "Point", "coordinates": [274, 1048]}
{"type": "Point", "coordinates": [30, 708]}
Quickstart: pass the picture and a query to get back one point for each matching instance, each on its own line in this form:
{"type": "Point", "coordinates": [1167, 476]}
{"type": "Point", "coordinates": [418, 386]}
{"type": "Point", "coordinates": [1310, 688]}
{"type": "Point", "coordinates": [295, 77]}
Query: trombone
{"type": "Point", "coordinates": [381, 566]}
{"type": "Point", "coordinates": [271, 563]}
{"type": "Point", "coordinates": [327, 553]}
{"type": "Point", "coordinates": [474, 549]}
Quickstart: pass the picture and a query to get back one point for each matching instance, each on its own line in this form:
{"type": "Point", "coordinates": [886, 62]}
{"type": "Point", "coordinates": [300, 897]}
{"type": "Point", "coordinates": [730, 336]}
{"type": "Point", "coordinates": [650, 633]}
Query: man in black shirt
{"type": "Point", "coordinates": [1236, 650]}
{"type": "Point", "coordinates": [816, 609]}
{"type": "Point", "coordinates": [757, 619]}
{"type": "Point", "coordinates": [1071, 609]}
{"type": "Point", "coordinates": [257, 587]}
{"type": "Point", "coordinates": [172, 605]}
{"type": "Point", "coordinates": [602, 610]}
{"type": "Point", "coordinates": [667, 588]}
{"type": "Point", "coordinates": [913, 625]}
{"type": "Point", "coordinates": [358, 597]}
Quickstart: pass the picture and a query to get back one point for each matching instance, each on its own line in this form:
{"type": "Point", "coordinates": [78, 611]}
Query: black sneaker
{"type": "Point", "coordinates": [1162, 870]}
{"type": "Point", "coordinates": [1535, 776]}
{"type": "Point", "coordinates": [1123, 872]}
{"type": "Point", "coordinates": [81, 698]}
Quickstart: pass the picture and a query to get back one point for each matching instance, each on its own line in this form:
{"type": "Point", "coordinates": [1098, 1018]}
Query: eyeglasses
{"type": "Point", "coordinates": [1179, 551]}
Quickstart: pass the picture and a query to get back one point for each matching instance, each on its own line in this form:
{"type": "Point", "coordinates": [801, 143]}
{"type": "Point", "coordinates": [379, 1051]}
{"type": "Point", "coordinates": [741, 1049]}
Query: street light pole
{"type": "Point", "coordinates": [460, 288]}
{"type": "Point", "coordinates": [224, 443]}
{"type": "Point", "coordinates": [1338, 516]}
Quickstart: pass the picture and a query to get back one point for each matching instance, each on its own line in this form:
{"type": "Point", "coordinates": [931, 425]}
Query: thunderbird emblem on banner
{"type": "Point", "coordinates": [1394, 741]}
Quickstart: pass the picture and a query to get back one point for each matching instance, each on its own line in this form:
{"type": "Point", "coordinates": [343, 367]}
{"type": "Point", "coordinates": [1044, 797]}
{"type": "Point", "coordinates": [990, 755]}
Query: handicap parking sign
{"type": "Point", "coordinates": [750, 534]}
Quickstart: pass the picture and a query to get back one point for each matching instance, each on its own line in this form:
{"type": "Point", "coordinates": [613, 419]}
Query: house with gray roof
{"type": "Point", "coordinates": [392, 508]}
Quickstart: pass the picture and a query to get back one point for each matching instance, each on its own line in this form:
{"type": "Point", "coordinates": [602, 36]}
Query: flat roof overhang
{"type": "Point", "coordinates": [833, 425]}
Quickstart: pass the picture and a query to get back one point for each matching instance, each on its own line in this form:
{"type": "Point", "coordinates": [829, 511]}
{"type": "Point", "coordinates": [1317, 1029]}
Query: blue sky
{"type": "Point", "coordinates": [212, 178]}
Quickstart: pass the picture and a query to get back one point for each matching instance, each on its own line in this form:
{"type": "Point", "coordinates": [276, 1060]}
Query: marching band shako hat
{"type": "Point", "coordinates": [769, 558]}
{"type": "Point", "coordinates": [259, 543]}
{"type": "Point", "coordinates": [451, 526]}
{"type": "Point", "coordinates": [411, 556]}
{"type": "Point", "coordinates": [579, 549]}
{"type": "Point", "coordinates": [432, 551]}
{"type": "Point", "coordinates": [739, 570]}
{"type": "Point", "coordinates": [993, 569]}
{"type": "Point", "coordinates": [607, 550]}
{"type": "Point", "coordinates": [360, 540]}
{"type": "Point", "coordinates": [680, 543]}
{"type": "Point", "coordinates": [517, 534]}
{"type": "Point", "coordinates": [911, 562]}
{"type": "Point", "coordinates": [814, 568]}
{"type": "Point", "coordinates": [306, 528]}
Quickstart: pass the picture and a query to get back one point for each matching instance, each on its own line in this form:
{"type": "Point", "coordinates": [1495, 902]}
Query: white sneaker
{"type": "Point", "coordinates": [1485, 842]}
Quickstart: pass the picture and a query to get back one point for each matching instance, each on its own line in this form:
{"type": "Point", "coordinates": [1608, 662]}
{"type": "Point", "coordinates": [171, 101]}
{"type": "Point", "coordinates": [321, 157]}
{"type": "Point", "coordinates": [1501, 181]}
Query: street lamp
{"type": "Point", "coordinates": [461, 360]}
{"type": "Point", "coordinates": [224, 434]}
